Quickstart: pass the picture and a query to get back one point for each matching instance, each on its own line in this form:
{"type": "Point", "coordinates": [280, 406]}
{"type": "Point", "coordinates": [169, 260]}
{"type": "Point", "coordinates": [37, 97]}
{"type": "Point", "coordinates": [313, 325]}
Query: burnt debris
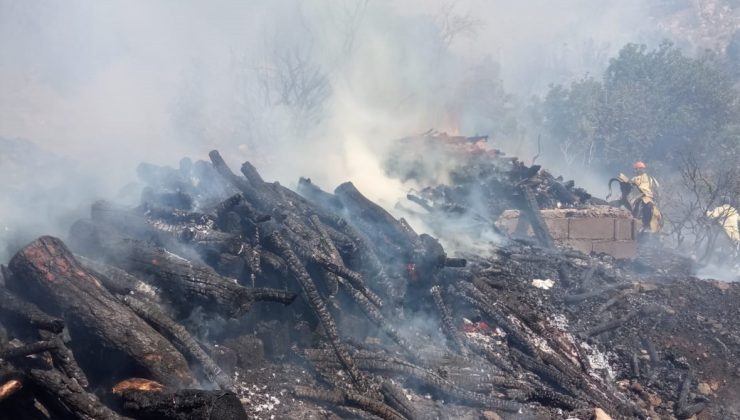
{"type": "Point", "coordinates": [223, 295]}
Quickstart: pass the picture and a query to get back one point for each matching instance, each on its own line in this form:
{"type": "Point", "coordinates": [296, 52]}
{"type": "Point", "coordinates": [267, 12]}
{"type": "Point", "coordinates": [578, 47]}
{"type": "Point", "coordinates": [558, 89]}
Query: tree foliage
{"type": "Point", "coordinates": [650, 104]}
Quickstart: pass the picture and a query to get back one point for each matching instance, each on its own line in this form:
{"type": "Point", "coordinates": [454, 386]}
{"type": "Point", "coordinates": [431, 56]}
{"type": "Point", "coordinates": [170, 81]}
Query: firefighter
{"type": "Point", "coordinates": [729, 218]}
{"type": "Point", "coordinates": [645, 204]}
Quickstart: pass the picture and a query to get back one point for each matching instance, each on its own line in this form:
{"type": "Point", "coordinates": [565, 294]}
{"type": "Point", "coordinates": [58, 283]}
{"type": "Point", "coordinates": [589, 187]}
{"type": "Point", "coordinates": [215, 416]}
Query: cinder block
{"type": "Point", "coordinates": [507, 225]}
{"type": "Point", "coordinates": [583, 245]}
{"type": "Point", "coordinates": [617, 249]}
{"type": "Point", "coordinates": [624, 229]}
{"type": "Point", "coordinates": [591, 228]}
{"type": "Point", "coordinates": [558, 227]}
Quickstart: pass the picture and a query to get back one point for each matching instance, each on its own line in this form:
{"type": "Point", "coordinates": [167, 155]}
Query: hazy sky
{"type": "Point", "coordinates": [313, 88]}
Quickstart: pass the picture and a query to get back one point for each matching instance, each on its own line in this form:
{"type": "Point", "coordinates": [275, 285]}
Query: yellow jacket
{"type": "Point", "coordinates": [647, 186]}
{"type": "Point", "coordinates": [728, 217]}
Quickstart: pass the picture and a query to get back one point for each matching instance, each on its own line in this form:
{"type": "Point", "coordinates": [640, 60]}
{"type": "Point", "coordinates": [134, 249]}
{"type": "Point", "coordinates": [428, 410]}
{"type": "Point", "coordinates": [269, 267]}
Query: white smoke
{"type": "Point", "coordinates": [317, 89]}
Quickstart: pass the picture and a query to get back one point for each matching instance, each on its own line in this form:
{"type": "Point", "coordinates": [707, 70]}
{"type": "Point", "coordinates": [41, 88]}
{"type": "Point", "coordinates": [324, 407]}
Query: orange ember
{"type": "Point", "coordinates": [138, 384]}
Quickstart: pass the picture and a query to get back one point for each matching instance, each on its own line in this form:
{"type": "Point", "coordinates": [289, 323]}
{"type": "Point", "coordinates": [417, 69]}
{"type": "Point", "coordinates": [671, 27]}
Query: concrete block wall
{"type": "Point", "coordinates": [599, 229]}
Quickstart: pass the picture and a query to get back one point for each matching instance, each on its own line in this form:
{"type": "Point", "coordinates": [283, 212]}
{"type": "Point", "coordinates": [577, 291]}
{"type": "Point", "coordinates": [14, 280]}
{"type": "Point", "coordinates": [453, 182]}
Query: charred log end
{"type": "Point", "coordinates": [137, 384]}
{"type": "Point", "coordinates": [187, 403]}
{"type": "Point", "coordinates": [55, 254]}
{"type": "Point", "coordinates": [9, 388]}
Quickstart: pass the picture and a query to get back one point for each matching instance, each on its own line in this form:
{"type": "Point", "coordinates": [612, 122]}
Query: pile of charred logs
{"type": "Point", "coordinates": [476, 190]}
{"type": "Point", "coordinates": [103, 328]}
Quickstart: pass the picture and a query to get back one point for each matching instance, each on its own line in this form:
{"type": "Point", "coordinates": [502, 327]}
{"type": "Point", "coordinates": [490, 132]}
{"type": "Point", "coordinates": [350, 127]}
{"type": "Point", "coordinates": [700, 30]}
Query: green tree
{"type": "Point", "coordinates": [650, 105]}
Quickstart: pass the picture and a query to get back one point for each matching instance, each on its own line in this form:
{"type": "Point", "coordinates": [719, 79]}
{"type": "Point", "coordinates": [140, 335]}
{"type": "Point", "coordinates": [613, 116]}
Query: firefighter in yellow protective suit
{"type": "Point", "coordinates": [729, 218]}
{"type": "Point", "coordinates": [645, 201]}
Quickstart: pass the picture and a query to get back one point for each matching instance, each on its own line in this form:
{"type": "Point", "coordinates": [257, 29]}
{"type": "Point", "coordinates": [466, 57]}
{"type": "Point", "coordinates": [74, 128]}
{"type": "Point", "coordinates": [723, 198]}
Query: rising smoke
{"type": "Point", "coordinates": [313, 89]}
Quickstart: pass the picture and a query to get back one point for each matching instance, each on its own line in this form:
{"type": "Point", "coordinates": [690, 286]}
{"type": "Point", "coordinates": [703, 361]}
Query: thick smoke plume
{"type": "Point", "coordinates": [301, 89]}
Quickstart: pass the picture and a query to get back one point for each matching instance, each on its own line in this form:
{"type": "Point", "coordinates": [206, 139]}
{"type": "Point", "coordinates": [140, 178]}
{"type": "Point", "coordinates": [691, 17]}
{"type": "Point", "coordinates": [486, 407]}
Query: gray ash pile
{"type": "Point", "coordinates": [226, 296]}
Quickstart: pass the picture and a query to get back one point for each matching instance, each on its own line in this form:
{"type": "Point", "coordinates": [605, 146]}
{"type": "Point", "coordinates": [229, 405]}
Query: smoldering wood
{"type": "Point", "coordinates": [310, 253]}
{"type": "Point", "coordinates": [448, 325]}
{"type": "Point", "coordinates": [46, 272]}
{"type": "Point", "coordinates": [64, 359]}
{"type": "Point", "coordinates": [9, 353]}
{"type": "Point", "coordinates": [185, 282]}
{"type": "Point", "coordinates": [610, 325]}
{"type": "Point", "coordinates": [532, 210]}
{"type": "Point", "coordinates": [316, 195]}
{"type": "Point", "coordinates": [396, 399]}
{"type": "Point", "coordinates": [9, 387]}
{"type": "Point", "coordinates": [317, 304]}
{"type": "Point", "coordinates": [169, 199]}
{"type": "Point", "coordinates": [372, 312]}
{"type": "Point", "coordinates": [58, 390]}
{"type": "Point", "coordinates": [575, 298]}
{"type": "Point", "coordinates": [339, 397]}
{"type": "Point", "coordinates": [186, 404]}
{"type": "Point", "coordinates": [181, 338]}
{"type": "Point", "coordinates": [162, 232]}
{"type": "Point", "coordinates": [372, 214]}
{"type": "Point", "coordinates": [118, 281]}
{"type": "Point", "coordinates": [345, 411]}
{"type": "Point", "coordinates": [197, 283]}
{"type": "Point", "coordinates": [427, 378]}
{"type": "Point", "coordinates": [13, 305]}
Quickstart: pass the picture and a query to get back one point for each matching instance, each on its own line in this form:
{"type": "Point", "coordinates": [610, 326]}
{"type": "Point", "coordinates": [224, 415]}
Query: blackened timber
{"type": "Point", "coordinates": [308, 252]}
{"type": "Point", "coordinates": [11, 304]}
{"type": "Point", "coordinates": [328, 201]}
{"type": "Point", "coordinates": [371, 212]}
{"type": "Point", "coordinates": [374, 220]}
{"type": "Point", "coordinates": [448, 324]}
{"type": "Point", "coordinates": [374, 315]}
{"type": "Point", "coordinates": [117, 281]}
{"type": "Point", "coordinates": [340, 397]}
{"type": "Point", "coordinates": [63, 358]}
{"type": "Point", "coordinates": [185, 282]}
{"type": "Point", "coordinates": [532, 209]}
{"type": "Point", "coordinates": [47, 273]}
{"type": "Point", "coordinates": [317, 304]}
{"type": "Point", "coordinates": [186, 404]}
{"type": "Point", "coordinates": [594, 293]}
{"type": "Point", "coordinates": [26, 349]}
{"type": "Point", "coordinates": [181, 338]}
{"type": "Point", "coordinates": [395, 398]}
{"type": "Point", "coordinates": [67, 395]}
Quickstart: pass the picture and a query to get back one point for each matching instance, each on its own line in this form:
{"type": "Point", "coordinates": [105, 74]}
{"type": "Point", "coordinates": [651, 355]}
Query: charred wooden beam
{"type": "Point", "coordinates": [375, 222]}
{"type": "Point", "coordinates": [11, 304]}
{"type": "Point", "coordinates": [313, 193]}
{"type": "Point", "coordinates": [118, 281]}
{"type": "Point", "coordinates": [340, 397]}
{"type": "Point", "coordinates": [317, 304]}
{"type": "Point", "coordinates": [68, 396]}
{"type": "Point", "coordinates": [180, 337]}
{"type": "Point", "coordinates": [26, 349]}
{"type": "Point", "coordinates": [532, 210]}
{"type": "Point", "coordinates": [186, 404]}
{"type": "Point", "coordinates": [63, 358]}
{"type": "Point", "coordinates": [184, 282]}
{"type": "Point", "coordinates": [575, 298]}
{"type": "Point", "coordinates": [372, 312]}
{"type": "Point", "coordinates": [395, 398]}
{"type": "Point", "coordinates": [311, 254]}
{"type": "Point", "coordinates": [448, 324]}
{"type": "Point", "coordinates": [46, 272]}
